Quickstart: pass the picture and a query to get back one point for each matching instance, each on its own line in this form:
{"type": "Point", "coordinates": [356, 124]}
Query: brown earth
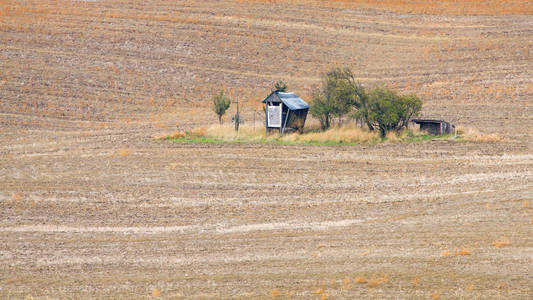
{"type": "Point", "coordinates": [91, 206]}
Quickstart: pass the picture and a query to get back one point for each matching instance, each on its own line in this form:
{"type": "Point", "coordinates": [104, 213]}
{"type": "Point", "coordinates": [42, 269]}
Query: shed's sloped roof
{"type": "Point", "coordinates": [292, 101]}
{"type": "Point", "coordinates": [427, 121]}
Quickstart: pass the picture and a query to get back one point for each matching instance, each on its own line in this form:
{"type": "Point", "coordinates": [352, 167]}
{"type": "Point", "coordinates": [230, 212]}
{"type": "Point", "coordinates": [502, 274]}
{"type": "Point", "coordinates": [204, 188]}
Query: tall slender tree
{"type": "Point", "coordinates": [221, 103]}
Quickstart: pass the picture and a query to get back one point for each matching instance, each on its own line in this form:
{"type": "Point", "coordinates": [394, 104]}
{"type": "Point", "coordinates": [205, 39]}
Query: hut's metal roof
{"type": "Point", "coordinates": [292, 101]}
{"type": "Point", "coordinates": [428, 121]}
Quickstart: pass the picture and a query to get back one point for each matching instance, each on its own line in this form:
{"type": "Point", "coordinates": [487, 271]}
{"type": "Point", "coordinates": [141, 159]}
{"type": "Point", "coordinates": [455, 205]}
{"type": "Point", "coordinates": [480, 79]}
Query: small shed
{"type": "Point", "coordinates": [435, 127]}
{"type": "Point", "coordinates": [284, 111]}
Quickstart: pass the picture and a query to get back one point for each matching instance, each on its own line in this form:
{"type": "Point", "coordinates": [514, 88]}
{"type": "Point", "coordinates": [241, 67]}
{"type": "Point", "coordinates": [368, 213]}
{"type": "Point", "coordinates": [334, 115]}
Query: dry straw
{"type": "Point", "coordinates": [340, 134]}
{"type": "Point", "coordinates": [124, 152]}
{"type": "Point", "coordinates": [156, 293]}
{"type": "Point", "coordinates": [344, 134]}
{"type": "Point", "coordinates": [501, 243]}
{"type": "Point", "coordinates": [360, 280]}
{"type": "Point", "coordinates": [17, 196]}
{"type": "Point", "coordinates": [469, 287]}
{"type": "Point", "coordinates": [473, 135]}
{"type": "Point", "coordinates": [435, 295]}
{"type": "Point", "coordinates": [275, 293]}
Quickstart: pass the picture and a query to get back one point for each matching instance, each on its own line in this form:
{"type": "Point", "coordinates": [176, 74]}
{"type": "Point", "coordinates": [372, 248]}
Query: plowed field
{"type": "Point", "coordinates": [92, 206]}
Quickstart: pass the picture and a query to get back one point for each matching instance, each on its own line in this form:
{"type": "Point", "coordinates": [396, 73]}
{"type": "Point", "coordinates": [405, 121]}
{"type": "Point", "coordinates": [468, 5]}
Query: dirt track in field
{"type": "Point", "coordinates": [92, 206]}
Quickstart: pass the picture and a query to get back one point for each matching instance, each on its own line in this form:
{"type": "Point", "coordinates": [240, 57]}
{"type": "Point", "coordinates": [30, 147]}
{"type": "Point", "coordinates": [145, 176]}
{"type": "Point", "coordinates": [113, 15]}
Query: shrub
{"type": "Point", "coordinates": [341, 88]}
{"type": "Point", "coordinates": [385, 110]}
{"type": "Point", "coordinates": [322, 109]}
{"type": "Point", "coordinates": [221, 103]}
{"type": "Point", "coordinates": [280, 86]}
{"type": "Point", "coordinates": [379, 108]}
{"type": "Point", "coordinates": [338, 95]}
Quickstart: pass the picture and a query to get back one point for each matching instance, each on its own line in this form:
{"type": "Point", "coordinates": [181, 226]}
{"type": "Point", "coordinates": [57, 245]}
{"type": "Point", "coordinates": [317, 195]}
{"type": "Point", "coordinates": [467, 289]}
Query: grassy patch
{"type": "Point", "coordinates": [262, 141]}
{"type": "Point", "coordinates": [337, 136]}
{"type": "Point", "coordinates": [201, 139]}
{"type": "Point", "coordinates": [411, 138]}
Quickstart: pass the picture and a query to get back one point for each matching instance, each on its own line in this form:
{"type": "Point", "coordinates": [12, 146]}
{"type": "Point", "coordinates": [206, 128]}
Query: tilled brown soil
{"type": "Point", "coordinates": [92, 206]}
{"type": "Point", "coordinates": [161, 61]}
{"type": "Point", "coordinates": [117, 214]}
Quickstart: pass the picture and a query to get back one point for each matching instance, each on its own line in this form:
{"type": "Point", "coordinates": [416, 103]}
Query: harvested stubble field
{"type": "Point", "coordinates": [92, 206]}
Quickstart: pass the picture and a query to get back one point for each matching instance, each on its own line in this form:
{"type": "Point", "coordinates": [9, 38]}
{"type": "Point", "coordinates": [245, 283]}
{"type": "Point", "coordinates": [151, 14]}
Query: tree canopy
{"type": "Point", "coordinates": [221, 103]}
{"type": "Point", "coordinates": [379, 108]}
{"type": "Point", "coordinates": [339, 95]}
{"type": "Point", "coordinates": [280, 86]}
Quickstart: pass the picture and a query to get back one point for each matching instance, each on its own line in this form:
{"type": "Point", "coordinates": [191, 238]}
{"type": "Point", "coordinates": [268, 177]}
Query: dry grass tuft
{"type": "Point", "coordinates": [228, 133]}
{"type": "Point", "coordinates": [398, 136]}
{"type": "Point", "coordinates": [473, 135]}
{"type": "Point", "coordinates": [156, 293]}
{"type": "Point", "coordinates": [324, 297]}
{"type": "Point", "coordinates": [124, 152]}
{"type": "Point", "coordinates": [435, 295]}
{"type": "Point", "coordinates": [373, 282]}
{"type": "Point", "coordinates": [463, 251]}
{"type": "Point", "coordinates": [198, 132]}
{"type": "Point", "coordinates": [17, 196]}
{"type": "Point", "coordinates": [343, 134]}
{"type": "Point", "coordinates": [347, 133]}
{"type": "Point", "coordinates": [347, 283]}
{"type": "Point", "coordinates": [469, 287]}
{"type": "Point", "coordinates": [340, 134]}
{"type": "Point", "coordinates": [377, 281]}
{"type": "Point", "coordinates": [458, 252]}
{"type": "Point", "coordinates": [501, 243]}
{"type": "Point", "coordinates": [275, 293]}
{"type": "Point", "coordinates": [318, 291]}
{"type": "Point", "coordinates": [175, 135]}
{"type": "Point", "coordinates": [526, 203]}
{"type": "Point", "coordinates": [360, 279]}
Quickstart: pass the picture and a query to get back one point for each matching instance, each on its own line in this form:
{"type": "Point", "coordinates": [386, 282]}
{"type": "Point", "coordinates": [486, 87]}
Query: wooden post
{"type": "Point", "coordinates": [286, 119]}
{"type": "Point", "coordinates": [266, 118]}
{"type": "Point", "coordinates": [236, 118]}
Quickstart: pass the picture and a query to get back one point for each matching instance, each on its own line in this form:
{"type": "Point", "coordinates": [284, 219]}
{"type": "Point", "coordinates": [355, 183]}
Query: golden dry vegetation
{"type": "Point", "coordinates": [92, 206]}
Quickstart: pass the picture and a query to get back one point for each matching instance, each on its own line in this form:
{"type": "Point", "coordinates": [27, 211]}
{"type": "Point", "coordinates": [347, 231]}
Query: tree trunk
{"type": "Point", "coordinates": [382, 131]}
{"type": "Point", "coordinates": [220, 119]}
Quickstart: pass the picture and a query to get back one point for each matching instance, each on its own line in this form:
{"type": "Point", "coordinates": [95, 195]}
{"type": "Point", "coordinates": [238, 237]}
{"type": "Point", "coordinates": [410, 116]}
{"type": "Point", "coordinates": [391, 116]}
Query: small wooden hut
{"type": "Point", "coordinates": [284, 112]}
{"type": "Point", "coordinates": [435, 127]}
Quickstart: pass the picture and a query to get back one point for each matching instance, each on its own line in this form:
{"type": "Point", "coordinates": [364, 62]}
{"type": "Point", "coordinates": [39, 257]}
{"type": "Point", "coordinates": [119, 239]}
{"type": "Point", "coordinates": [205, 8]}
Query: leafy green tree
{"type": "Point", "coordinates": [340, 87]}
{"type": "Point", "coordinates": [280, 86]}
{"type": "Point", "coordinates": [385, 110]}
{"type": "Point", "coordinates": [339, 95]}
{"type": "Point", "coordinates": [411, 106]}
{"type": "Point", "coordinates": [321, 108]}
{"type": "Point", "coordinates": [221, 103]}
